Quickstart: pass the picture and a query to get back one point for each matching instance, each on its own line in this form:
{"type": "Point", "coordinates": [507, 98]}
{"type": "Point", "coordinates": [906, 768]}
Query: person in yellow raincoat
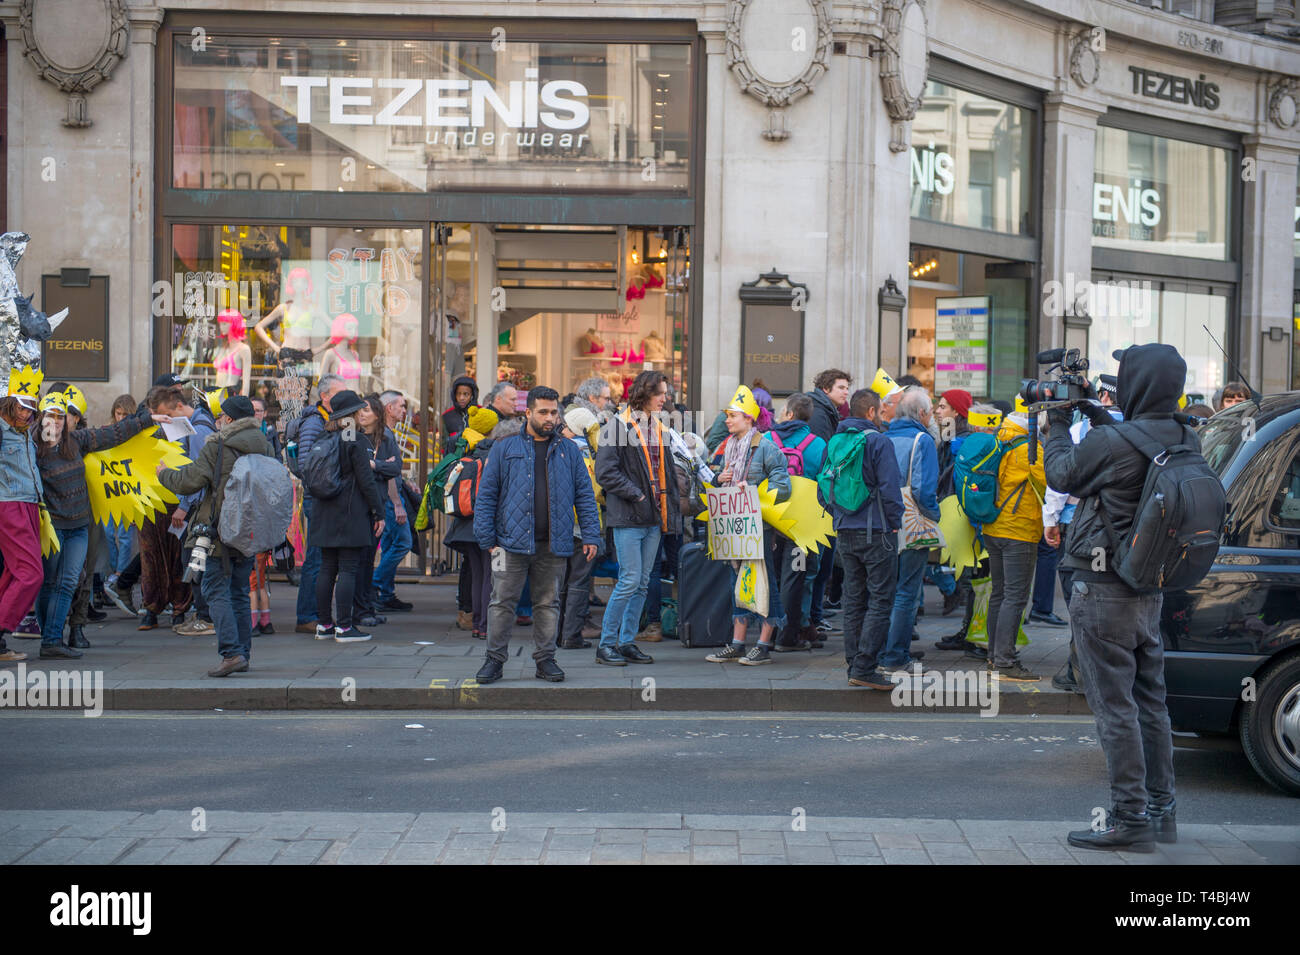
{"type": "Point", "coordinates": [1012, 543]}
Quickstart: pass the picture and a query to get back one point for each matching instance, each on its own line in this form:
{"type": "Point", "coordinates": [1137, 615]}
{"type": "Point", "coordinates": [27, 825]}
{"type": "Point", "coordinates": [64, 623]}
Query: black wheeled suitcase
{"type": "Point", "coordinates": [704, 598]}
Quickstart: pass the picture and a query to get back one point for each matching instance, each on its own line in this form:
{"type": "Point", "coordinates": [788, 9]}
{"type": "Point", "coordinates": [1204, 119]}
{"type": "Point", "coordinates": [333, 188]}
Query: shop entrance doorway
{"type": "Point", "coordinates": [552, 305]}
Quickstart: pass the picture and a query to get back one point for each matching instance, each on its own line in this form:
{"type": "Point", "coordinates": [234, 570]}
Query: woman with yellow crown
{"type": "Point", "coordinates": [744, 458]}
{"type": "Point", "coordinates": [20, 495]}
{"type": "Point", "coordinates": [59, 454]}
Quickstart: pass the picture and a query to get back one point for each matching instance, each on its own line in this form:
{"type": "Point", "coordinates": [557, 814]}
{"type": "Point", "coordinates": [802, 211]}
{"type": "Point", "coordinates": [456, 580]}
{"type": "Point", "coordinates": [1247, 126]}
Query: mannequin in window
{"type": "Point", "coordinates": [295, 315]}
{"type": "Point", "coordinates": [653, 348]}
{"type": "Point", "coordinates": [233, 361]}
{"type": "Point", "coordinates": [340, 356]}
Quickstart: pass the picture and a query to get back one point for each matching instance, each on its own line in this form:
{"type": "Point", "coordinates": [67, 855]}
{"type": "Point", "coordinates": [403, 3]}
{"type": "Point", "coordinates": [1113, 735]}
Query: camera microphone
{"type": "Point", "coordinates": [1051, 357]}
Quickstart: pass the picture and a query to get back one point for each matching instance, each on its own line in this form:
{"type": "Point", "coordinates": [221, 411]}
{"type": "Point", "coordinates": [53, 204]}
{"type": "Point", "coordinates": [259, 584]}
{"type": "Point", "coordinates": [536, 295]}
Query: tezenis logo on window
{"type": "Point", "coordinates": [932, 170]}
{"type": "Point", "coordinates": [526, 104]}
{"type": "Point", "coordinates": [1136, 207]}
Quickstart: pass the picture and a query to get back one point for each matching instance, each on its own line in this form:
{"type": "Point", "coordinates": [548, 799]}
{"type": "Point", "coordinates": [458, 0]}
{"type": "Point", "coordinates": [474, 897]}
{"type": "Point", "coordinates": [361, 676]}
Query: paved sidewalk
{"type": "Point", "coordinates": [39, 837]}
{"type": "Point", "coordinates": [420, 660]}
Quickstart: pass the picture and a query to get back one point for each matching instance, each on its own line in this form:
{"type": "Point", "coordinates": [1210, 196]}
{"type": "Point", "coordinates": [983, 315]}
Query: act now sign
{"type": "Point", "coordinates": [735, 523]}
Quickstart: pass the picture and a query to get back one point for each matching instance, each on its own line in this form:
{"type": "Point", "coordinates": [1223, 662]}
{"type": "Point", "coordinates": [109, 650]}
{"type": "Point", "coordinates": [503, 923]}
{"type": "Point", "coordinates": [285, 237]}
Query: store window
{"type": "Point", "coordinates": [1133, 310]}
{"type": "Point", "coordinates": [377, 115]}
{"type": "Point", "coordinates": [1160, 195]}
{"type": "Point", "coordinates": [568, 304]}
{"type": "Point", "coordinates": [967, 317]}
{"type": "Point", "coordinates": [267, 310]}
{"type": "Point", "coordinates": [972, 161]}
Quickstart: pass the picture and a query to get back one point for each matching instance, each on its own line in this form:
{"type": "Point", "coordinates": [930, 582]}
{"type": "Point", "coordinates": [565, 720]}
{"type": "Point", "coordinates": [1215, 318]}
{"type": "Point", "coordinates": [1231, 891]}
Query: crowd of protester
{"type": "Point", "coordinates": [541, 504]}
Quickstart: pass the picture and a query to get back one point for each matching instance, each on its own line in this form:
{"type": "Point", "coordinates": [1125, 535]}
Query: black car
{"type": "Point", "coordinates": [1232, 642]}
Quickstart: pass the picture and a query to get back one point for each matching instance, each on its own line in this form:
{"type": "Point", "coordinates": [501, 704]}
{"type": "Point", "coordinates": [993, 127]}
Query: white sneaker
{"type": "Point", "coordinates": [324, 633]}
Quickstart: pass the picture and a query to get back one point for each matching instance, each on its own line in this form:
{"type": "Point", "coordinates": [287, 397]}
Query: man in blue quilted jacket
{"type": "Point", "coordinates": [533, 485]}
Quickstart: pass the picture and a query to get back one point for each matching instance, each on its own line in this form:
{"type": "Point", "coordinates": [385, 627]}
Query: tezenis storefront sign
{"type": "Point", "coordinates": [449, 108]}
{"type": "Point", "coordinates": [1175, 89]}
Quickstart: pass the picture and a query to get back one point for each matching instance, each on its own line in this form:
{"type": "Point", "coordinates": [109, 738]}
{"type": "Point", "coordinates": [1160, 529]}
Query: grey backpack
{"type": "Point", "coordinates": [257, 505]}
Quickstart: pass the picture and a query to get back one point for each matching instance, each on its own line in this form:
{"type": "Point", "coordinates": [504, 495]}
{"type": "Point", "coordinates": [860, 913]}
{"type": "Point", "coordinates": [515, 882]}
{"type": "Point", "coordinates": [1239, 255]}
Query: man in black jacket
{"type": "Point", "coordinates": [830, 391]}
{"type": "Point", "coordinates": [1116, 630]}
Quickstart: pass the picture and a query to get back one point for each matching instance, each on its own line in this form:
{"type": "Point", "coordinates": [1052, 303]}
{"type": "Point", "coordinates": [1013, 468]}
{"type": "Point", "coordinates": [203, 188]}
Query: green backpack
{"type": "Point", "coordinates": [434, 488]}
{"type": "Point", "coordinates": [840, 483]}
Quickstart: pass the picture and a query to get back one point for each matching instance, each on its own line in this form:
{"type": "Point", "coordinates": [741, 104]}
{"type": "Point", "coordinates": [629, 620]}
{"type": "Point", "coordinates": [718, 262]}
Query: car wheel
{"type": "Point", "coordinates": [1270, 725]}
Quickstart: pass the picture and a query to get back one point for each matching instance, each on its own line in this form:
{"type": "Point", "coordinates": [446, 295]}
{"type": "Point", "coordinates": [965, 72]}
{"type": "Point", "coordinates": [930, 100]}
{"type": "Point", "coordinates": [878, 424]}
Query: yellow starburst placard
{"type": "Point", "coordinates": [49, 539]}
{"type": "Point", "coordinates": [961, 547]}
{"type": "Point", "coordinates": [123, 482]}
{"type": "Point", "coordinates": [800, 517]}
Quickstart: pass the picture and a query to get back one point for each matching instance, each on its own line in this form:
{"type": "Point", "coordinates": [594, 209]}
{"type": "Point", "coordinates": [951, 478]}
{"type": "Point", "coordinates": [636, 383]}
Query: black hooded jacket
{"type": "Point", "coordinates": [825, 419]}
{"type": "Point", "coordinates": [1104, 470]}
{"type": "Point", "coordinates": [454, 419]}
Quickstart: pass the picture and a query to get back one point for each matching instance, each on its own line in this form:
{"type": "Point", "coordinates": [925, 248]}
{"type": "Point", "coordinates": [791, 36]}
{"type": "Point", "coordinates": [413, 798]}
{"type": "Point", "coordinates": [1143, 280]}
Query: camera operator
{"type": "Point", "coordinates": [1058, 512]}
{"type": "Point", "coordinates": [225, 576]}
{"type": "Point", "coordinates": [1117, 630]}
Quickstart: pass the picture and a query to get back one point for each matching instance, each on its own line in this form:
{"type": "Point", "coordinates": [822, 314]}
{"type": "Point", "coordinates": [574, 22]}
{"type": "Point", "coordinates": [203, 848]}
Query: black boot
{"type": "Point", "coordinates": [1127, 831]}
{"type": "Point", "coordinates": [1067, 678]}
{"type": "Point", "coordinates": [77, 638]}
{"type": "Point", "coordinates": [489, 672]}
{"type": "Point", "coordinates": [1163, 822]}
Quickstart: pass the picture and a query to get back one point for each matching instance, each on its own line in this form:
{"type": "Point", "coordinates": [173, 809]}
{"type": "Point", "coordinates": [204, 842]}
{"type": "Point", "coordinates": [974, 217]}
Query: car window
{"type": "Point", "coordinates": [1284, 511]}
{"type": "Point", "coordinates": [1221, 437]}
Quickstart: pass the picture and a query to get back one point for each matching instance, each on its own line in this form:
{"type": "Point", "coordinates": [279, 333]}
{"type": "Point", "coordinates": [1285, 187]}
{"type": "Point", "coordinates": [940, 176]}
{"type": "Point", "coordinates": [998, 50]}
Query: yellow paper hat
{"type": "Point", "coordinates": [884, 385]}
{"type": "Point", "coordinates": [978, 419]}
{"type": "Point", "coordinates": [214, 399]}
{"type": "Point", "coordinates": [25, 385]}
{"type": "Point", "coordinates": [75, 399]}
{"type": "Point", "coordinates": [1020, 405]}
{"type": "Point", "coordinates": [1182, 402]}
{"type": "Point", "coordinates": [744, 402]}
{"type": "Point", "coordinates": [55, 401]}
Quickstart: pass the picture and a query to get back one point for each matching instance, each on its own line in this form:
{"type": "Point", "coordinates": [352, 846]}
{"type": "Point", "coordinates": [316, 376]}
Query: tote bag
{"type": "Point", "coordinates": [918, 531]}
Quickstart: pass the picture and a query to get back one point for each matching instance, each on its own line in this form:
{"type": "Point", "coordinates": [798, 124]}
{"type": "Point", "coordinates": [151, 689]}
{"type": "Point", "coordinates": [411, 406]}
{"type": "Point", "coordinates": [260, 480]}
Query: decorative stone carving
{"type": "Point", "coordinates": [904, 62]}
{"type": "Point", "coordinates": [1085, 62]}
{"type": "Point", "coordinates": [75, 60]}
{"type": "Point", "coordinates": [778, 79]}
{"type": "Point", "coordinates": [1282, 106]}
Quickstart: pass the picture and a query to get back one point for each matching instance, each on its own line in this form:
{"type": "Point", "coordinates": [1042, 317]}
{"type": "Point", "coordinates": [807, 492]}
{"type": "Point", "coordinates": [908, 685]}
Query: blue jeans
{"type": "Point", "coordinates": [941, 577]}
{"type": "Point", "coordinates": [225, 587]}
{"type": "Point", "coordinates": [310, 569]}
{"type": "Point", "coordinates": [394, 545]}
{"type": "Point", "coordinates": [635, 548]}
{"type": "Point", "coordinates": [911, 565]}
{"type": "Point", "coordinates": [1045, 578]}
{"type": "Point", "coordinates": [121, 537]}
{"type": "Point", "coordinates": [62, 573]}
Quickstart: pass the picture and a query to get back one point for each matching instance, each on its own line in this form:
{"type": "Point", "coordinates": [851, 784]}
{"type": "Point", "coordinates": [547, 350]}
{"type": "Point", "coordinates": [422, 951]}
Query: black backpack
{"type": "Point", "coordinates": [1175, 534]}
{"type": "Point", "coordinates": [322, 468]}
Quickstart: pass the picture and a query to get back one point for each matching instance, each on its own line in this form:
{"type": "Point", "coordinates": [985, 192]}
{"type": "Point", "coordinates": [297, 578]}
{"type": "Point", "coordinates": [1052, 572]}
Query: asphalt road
{"type": "Point", "coordinates": [869, 765]}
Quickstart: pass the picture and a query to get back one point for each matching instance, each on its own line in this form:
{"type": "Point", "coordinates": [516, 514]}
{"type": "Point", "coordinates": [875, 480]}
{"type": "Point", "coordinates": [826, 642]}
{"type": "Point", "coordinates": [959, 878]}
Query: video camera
{"type": "Point", "coordinates": [1069, 386]}
{"type": "Point", "coordinates": [1067, 389]}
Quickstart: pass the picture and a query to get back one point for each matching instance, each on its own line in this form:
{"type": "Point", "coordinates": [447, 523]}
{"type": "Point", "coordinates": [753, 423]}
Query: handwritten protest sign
{"type": "Point", "coordinates": [735, 523]}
